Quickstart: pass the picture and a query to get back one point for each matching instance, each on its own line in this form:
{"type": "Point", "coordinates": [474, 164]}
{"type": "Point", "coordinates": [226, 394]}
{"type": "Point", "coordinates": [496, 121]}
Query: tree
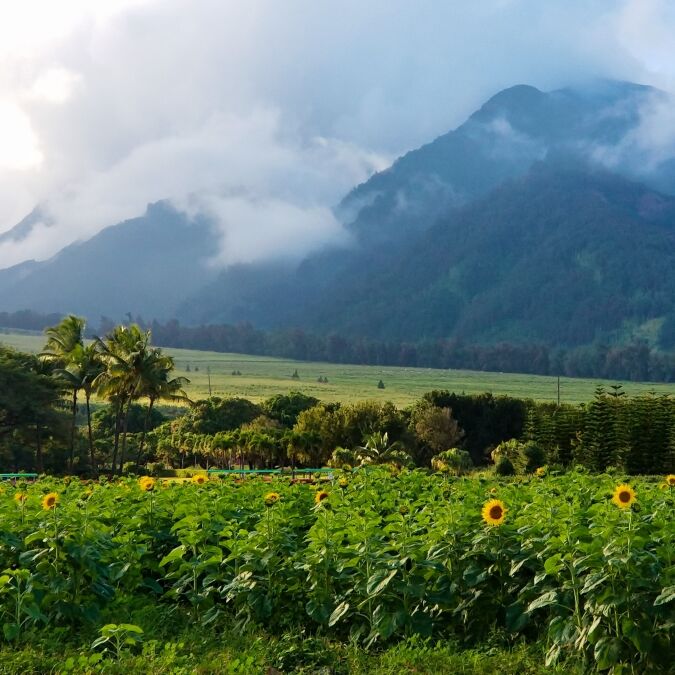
{"type": "Point", "coordinates": [64, 342]}
{"type": "Point", "coordinates": [134, 370]}
{"type": "Point", "coordinates": [216, 414]}
{"type": "Point", "coordinates": [157, 384]}
{"type": "Point", "coordinates": [285, 408]}
{"type": "Point", "coordinates": [323, 425]}
{"type": "Point", "coordinates": [435, 428]}
{"type": "Point", "coordinates": [84, 366]}
{"type": "Point", "coordinates": [301, 445]}
{"type": "Point", "coordinates": [29, 403]}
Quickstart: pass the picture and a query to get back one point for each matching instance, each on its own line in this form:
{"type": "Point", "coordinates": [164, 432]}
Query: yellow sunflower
{"type": "Point", "coordinates": [494, 512]}
{"type": "Point", "coordinates": [624, 496]}
{"type": "Point", "coordinates": [541, 471]}
{"type": "Point", "coordinates": [670, 480]}
{"type": "Point", "coordinates": [20, 497]}
{"type": "Point", "coordinates": [146, 484]}
{"type": "Point", "coordinates": [343, 483]}
{"type": "Point", "coordinates": [320, 496]}
{"type": "Point", "coordinates": [49, 501]}
{"type": "Point", "coordinates": [272, 498]}
{"type": "Point", "coordinates": [199, 479]}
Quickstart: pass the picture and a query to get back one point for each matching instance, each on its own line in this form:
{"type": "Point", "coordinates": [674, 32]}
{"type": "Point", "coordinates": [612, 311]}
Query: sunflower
{"type": "Point", "coordinates": [146, 484]}
{"type": "Point", "coordinates": [343, 483]}
{"type": "Point", "coordinates": [272, 498]}
{"type": "Point", "coordinates": [624, 496]}
{"type": "Point", "coordinates": [670, 480]}
{"type": "Point", "coordinates": [494, 512]}
{"type": "Point", "coordinates": [320, 496]}
{"type": "Point", "coordinates": [20, 497]}
{"type": "Point", "coordinates": [199, 479]}
{"type": "Point", "coordinates": [541, 471]}
{"type": "Point", "coordinates": [49, 501]}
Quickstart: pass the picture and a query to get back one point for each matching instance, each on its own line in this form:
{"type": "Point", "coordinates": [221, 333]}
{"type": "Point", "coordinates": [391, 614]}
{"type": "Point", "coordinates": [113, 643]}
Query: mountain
{"type": "Point", "coordinates": [144, 265]}
{"type": "Point", "coordinates": [506, 228]}
{"type": "Point", "coordinates": [512, 130]}
{"type": "Point", "coordinates": [566, 254]}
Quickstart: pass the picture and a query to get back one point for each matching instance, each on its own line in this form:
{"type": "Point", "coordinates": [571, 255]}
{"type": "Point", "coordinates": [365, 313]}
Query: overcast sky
{"type": "Point", "coordinates": [264, 113]}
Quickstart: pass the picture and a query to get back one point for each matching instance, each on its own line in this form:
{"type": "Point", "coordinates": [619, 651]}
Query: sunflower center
{"type": "Point", "coordinates": [624, 496]}
{"type": "Point", "coordinates": [496, 512]}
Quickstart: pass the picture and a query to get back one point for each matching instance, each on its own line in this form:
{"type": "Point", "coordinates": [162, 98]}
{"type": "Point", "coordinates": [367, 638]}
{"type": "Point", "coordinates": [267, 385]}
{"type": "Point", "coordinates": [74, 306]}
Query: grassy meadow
{"type": "Point", "coordinates": [262, 377]}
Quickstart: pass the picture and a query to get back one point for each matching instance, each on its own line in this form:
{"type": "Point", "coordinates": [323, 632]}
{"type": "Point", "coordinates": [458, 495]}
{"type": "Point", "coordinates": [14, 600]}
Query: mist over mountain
{"type": "Point", "coordinates": [544, 217]}
{"type": "Point", "coordinates": [146, 264]}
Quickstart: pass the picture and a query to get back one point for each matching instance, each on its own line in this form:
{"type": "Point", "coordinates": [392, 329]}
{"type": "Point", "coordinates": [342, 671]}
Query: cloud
{"type": "Point", "coordinates": [266, 113]}
{"type": "Point", "coordinates": [649, 144]}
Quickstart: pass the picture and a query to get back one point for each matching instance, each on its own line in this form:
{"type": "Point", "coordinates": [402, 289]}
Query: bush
{"type": "Point", "coordinates": [509, 449]}
{"type": "Point", "coordinates": [453, 461]}
{"type": "Point", "coordinates": [530, 458]}
{"type": "Point", "coordinates": [182, 473]}
{"type": "Point", "coordinates": [504, 467]}
{"type": "Point", "coordinates": [156, 468]}
{"type": "Point", "coordinates": [130, 469]}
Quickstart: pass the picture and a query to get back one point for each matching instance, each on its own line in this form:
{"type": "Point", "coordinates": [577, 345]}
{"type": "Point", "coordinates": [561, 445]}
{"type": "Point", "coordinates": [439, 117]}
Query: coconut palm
{"type": "Point", "coordinates": [90, 366]}
{"type": "Point", "coordinates": [156, 384]}
{"type": "Point", "coordinates": [125, 352]}
{"type": "Point", "coordinates": [223, 444]}
{"type": "Point", "coordinates": [63, 344]}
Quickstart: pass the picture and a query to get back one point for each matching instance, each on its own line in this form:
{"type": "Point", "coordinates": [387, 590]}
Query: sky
{"type": "Point", "coordinates": [263, 114]}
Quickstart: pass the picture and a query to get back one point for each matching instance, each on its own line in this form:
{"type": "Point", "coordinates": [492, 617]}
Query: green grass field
{"type": "Point", "coordinates": [263, 376]}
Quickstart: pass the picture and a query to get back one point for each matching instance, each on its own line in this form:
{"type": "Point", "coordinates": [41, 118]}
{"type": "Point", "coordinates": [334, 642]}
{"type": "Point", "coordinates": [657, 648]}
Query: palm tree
{"type": "Point", "coordinates": [377, 450]}
{"type": "Point", "coordinates": [224, 442]}
{"type": "Point", "coordinates": [156, 385]}
{"type": "Point", "coordinates": [89, 366]}
{"type": "Point", "coordinates": [124, 352]}
{"type": "Point", "coordinates": [301, 445]}
{"type": "Point", "coordinates": [63, 343]}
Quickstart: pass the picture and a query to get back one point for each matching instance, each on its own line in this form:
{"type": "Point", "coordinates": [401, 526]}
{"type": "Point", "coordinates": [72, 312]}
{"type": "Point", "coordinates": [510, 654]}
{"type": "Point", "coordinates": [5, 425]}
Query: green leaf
{"type": "Point", "coordinates": [666, 595]}
{"type": "Point", "coordinates": [607, 652]}
{"type": "Point", "coordinates": [553, 564]}
{"type": "Point", "coordinates": [176, 554]}
{"type": "Point", "coordinates": [516, 619]}
{"type": "Point", "coordinates": [338, 613]}
{"type": "Point", "coordinates": [11, 631]}
{"type": "Point", "coordinates": [379, 581]}
{"type": "Point", "coordinates": [544, 600]}
{"type": "Point", "coordinates": [99, 641]}
{"type": "Point", "coordinates": [641, 640]}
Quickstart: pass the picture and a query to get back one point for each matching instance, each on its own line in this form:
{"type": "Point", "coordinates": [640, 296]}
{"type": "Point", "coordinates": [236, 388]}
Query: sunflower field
{"type": "Point", "coordinates": [580, 563]}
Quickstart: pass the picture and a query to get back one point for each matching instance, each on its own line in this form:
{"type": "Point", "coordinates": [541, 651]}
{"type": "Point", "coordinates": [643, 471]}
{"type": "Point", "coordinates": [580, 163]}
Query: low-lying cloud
{"type": "Point", "coordinates": [264, 114]}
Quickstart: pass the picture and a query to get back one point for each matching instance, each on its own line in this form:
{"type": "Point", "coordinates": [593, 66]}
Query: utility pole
{"type": "Point", "coordinates": [558, 391]}
{"type": "Point", "coordinates": [208, 374]}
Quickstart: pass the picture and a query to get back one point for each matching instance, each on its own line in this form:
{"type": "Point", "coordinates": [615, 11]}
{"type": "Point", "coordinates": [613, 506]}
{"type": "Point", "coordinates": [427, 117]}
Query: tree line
{"type": "Point", "coordinates": [635, 362]}
{"type": "Point", "coordinates": [49, 423]}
